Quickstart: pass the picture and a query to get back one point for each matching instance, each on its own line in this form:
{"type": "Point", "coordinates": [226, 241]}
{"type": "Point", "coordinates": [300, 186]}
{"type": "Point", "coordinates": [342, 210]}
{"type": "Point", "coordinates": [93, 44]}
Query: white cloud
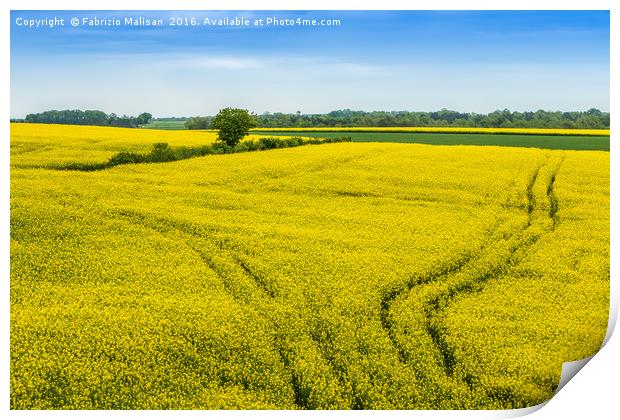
{"type": "Point", "coordinates": [232, 63]}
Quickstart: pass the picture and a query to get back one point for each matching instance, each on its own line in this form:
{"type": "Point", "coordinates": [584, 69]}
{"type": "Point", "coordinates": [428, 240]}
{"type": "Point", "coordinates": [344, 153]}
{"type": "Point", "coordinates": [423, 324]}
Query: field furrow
{"type": "Point", "coordinates": [226, 261]}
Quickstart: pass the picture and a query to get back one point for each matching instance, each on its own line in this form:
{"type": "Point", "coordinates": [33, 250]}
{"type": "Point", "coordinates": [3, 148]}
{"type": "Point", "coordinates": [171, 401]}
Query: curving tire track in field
{"type": "Point", "coordinates": [465, 276]}
{"type": "Point", "coordinates": [189, 233]}
{"type": "Point", "coordinates": [388, 297]}
{"type": "Point", "coordinates": [393, 294]}
{"type": "Point", "coordinates": [436, 307]}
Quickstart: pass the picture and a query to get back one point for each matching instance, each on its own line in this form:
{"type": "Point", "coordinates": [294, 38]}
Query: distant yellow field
{"type": "Point", "coordinates": [51, 144]}
{"type": "Point", "coordinates": [471, 130]}
{"type": "Point", "coordinates": [54, 144]}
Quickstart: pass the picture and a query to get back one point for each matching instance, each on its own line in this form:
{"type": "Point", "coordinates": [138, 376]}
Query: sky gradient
{"type": "Point", "coordinates": [471, 61]}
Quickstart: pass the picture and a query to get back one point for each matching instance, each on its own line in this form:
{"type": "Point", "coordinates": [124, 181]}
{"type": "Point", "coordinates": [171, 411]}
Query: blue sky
{"type": "Point", "coordinates": [471, 61]}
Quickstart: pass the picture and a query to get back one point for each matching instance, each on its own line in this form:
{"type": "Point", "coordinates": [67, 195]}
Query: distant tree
{"type": "Point", "coordinates": [143, 118]}
{"type": "Point", "coordinates": [88, 117]}
{"type": "Point", "coordinates": [197, 123]}
{"type": "Point", "coordinates": [233, 125]}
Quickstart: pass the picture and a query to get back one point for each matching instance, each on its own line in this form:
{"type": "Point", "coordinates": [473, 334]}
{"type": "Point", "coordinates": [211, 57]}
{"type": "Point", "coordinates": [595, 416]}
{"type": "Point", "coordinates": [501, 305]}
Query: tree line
{"type": "Point", "coordinates": [592, 118]}
{"type": "Point", "coordinates": [88, 117]}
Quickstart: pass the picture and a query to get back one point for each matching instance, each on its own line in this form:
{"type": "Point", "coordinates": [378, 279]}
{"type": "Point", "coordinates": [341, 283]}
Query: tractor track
{"type": "Point", "coordinates": [188, 233]}
{"type": "Point", "coordinates": [434, 307]}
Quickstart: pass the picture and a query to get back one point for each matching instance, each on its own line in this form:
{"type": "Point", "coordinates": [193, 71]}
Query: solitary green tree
{"type": "Point", "coordinates": [234, 124]}
{"type": "Point", "coordinates": [144, 118]}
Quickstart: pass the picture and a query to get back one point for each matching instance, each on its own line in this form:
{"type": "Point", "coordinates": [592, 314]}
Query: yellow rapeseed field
{"type": "Point", "coordinates": [336, 276]}
{"type": "Point", "coordinates": [470, 130]}
{"type": "Point", "coordinates": [36, 145]}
